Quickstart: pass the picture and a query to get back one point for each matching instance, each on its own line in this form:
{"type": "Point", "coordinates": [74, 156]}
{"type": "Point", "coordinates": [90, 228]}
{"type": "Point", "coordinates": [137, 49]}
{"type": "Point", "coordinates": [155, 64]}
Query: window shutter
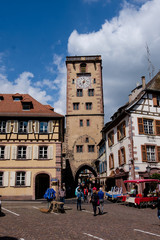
{"type": "Point", "coordinates": [158, 153]}
{"type": "Point", "coordinates": [124, 155]}
{"type": "Point", "coordinates": [29, 152]}
{"type": "Point", "coordinates": [7, 152]}
{"type": "Point", "coordinates": [109, 161]}
{"type": "Point", "coordinates": [112, 161]}
{"type": "Point", "coordinates": [50, 152]}
{"type": "Point", "coordinates": [144, 153]}
{"type": "Point", "coordinates": [12, 179]}
{"type": "Point", "coordinates": [8, 127]}
{"type": "Point", "coordinates": [28, 178]}
{"type": "Point", "coordinates": [118, 134]}
{"type": "Point", "coordinates": [35, 152]}
{"type": "Point", "coordinates": [29, 126]}
{"type": "Point", "coordinates": [124, 129]}
{"type": "Point", "coordinates": [36, 126]}
{"type": "Point", "coordinates": [50, 127]}
{"type": "Point", "coordinates": [5, 179]}
{"type": "Point", "coordinates": [14, 152]}
{"type": "Point", "coordinates": [158, 127]}
{"type": "Point", "coordinates": [15, 129]}
{"type": "Point", "coordinates": [140, 126]}
{"type": "Point", "coordinates": [154, 100]}
{"type": "Point", "coordinates": [119, 157]}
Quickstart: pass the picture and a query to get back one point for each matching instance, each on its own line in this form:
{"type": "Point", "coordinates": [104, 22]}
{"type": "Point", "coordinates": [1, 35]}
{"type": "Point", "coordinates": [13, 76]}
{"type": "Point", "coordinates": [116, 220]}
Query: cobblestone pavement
{"type": "Point", "coordinates": [24, 221]}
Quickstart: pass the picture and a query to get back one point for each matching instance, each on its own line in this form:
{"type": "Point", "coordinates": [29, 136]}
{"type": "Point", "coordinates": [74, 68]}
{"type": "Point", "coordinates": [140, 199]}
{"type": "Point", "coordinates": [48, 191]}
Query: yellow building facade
{"type": "Point", "coordinates": [31, 136]}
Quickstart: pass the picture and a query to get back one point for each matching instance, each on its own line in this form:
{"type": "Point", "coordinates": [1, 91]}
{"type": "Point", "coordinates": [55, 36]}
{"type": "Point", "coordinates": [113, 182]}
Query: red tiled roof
{"type": "Point", "coordinates": [9, 107]}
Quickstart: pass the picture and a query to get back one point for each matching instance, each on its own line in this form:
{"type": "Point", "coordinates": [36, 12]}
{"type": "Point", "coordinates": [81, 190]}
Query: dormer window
{"type": "Point", "coordinates": [27, 105]}
{"type": "Point", "coordinates": [16, 99]}
{"type": "Point", "coordinates": [1, 98]}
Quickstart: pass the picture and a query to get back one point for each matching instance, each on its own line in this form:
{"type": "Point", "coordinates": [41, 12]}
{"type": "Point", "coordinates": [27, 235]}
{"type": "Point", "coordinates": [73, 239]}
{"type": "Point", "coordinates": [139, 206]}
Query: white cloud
{"type": "Point", "coordinates": [122, 42]}
{"type": "Point", "coordinates": [60, 104]}
{"type": "Point", "coordinates": [23, 84]}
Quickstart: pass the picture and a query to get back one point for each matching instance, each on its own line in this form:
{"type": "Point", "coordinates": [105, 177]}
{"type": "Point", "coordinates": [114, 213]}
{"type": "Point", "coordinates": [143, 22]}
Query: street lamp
{"type": "Point", "coordinates": [148, 168]}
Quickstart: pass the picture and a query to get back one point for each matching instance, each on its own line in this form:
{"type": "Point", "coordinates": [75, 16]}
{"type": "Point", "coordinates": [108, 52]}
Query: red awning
{"type": "Point", "coordinates": [142, 181]}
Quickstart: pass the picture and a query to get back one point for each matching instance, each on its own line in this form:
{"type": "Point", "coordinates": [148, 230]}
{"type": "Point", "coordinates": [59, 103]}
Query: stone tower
{"type": "Point", "coordinates": [84, 112]}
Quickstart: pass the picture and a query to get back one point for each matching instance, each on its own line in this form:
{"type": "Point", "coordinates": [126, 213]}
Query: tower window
{"type": "Point", "coordinates": [79, 92]}
{"type": "Point", "coordinates": [76, 106]}
{"type": "Point", "coordinates": [94, 80]}
{"type": "Point", "coordinates": [72, 81]}
{"type": "Point", "coordinates": [81, 123]}
{"type": "Point", "coordinates": [83, 67]}
{"type": "Point", "coordinates": [79, 148]}
{"type": "Point", "coordinates": [88, 106]}
{"type": "Point", "coordinates": [87, 139]}
{"type": "Point", "coordinates": [90, 148]}
{"type": "Point", "coordinates": [88, 122]}
{"type": "Point", "coordinates": [90, 92]}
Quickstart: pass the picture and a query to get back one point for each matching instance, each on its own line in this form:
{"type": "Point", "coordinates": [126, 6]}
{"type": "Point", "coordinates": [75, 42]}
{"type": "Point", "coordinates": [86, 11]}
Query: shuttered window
{"type": "Point", "coordinates": [150, 153]}
{"type": "Point", "coordinates": [111, 138]}
{"type": "Point", "coordinates": [121, 131]}
{"type": "Point", "coordinates": [2, 126]}
{"type": "Point", "coordinates": [157, 127]}
{"type": "Point", "coordinates": [145, 126]}
{"type": "Point", "coordinates": [122, 156]}
{"type": "Point", "coordinates": [2, 152]}
{"type": "Point", "coordinates": [156, 100]}
{"type": "Point", "coordinates": [111, 161]}
{"type": "Point", "coordinates": [1, 178]}
{"type": "Point", "coordinates": [20, 178]}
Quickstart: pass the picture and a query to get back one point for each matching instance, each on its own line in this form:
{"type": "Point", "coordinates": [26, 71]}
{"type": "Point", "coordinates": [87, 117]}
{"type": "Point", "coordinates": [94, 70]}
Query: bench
{"type": "Point", "coordinates": [58, 206]}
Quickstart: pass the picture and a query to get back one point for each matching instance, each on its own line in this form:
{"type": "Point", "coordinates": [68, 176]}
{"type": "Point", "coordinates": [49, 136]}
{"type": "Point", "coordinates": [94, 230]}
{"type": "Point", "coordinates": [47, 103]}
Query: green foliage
{"type": "Point", "coordinates": [155, 176]}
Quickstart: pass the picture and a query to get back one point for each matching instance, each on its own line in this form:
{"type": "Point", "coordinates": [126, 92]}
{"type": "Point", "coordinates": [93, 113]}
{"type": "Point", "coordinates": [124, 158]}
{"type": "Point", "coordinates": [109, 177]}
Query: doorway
{"type": "Point", "coordinates": [41, 184]}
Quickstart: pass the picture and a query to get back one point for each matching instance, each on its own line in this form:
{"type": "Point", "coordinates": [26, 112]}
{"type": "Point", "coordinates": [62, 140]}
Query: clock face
{"type": "Point", "coordinates": [83, 82]}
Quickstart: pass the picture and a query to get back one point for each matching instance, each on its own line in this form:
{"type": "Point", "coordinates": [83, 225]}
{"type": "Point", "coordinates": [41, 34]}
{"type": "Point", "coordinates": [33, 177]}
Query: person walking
{"type": "Point", "coordinates": [79, 199]}
{"type": "Point", "coordinates": [101, 201]}
{"type": "Point", "coordinates": [86, 194]}
{"type": "Point", "coordinates": [62, 194]}
{"type": "Point", "coordinates": [94, 200]}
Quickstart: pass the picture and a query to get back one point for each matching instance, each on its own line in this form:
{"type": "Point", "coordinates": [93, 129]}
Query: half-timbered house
{"type": "Point", "coordinates": [133, 135]}
{"type": "Point", "coordinates": [31, 135]}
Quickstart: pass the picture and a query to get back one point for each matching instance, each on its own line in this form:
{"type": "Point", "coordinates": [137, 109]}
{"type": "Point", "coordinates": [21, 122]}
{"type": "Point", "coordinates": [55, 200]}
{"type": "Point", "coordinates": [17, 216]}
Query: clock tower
{"type": "Point", "coordinates": [84, 113]}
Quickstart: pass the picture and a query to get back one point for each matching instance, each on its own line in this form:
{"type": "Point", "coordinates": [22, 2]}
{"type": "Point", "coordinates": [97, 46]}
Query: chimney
{"type": "Point", "coordinates": [143, 82]}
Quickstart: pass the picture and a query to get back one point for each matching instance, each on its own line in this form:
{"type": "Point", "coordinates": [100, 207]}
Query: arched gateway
{"type": "Point", "coordinates": [84, 118]}
{"type": "Point", "coordinates": [85, 174]}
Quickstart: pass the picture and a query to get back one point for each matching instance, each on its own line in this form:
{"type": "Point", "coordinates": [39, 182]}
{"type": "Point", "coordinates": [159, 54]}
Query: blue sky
{"type": "Point", "coordinates": [37, 35]}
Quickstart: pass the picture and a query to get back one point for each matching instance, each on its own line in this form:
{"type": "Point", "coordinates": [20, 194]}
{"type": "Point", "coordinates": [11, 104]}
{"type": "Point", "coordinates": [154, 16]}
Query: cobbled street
{"type": "Point", "coordinates": [24, 221]}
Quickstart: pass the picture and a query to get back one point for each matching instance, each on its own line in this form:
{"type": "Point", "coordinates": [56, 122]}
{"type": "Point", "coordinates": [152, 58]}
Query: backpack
{"type": "Point", "coordinates": [49, 194]}
{"type": "Point", "coordinates": [79, 195]}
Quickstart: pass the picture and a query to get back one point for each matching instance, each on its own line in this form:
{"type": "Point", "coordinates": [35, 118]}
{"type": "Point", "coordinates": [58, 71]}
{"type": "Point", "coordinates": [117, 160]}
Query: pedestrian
{"type": "Point", "coordinates": [94, 200]}
{"type": "Point", "coordinates": [62, 194]}
{"type": "Point", "coordinates": [86, 194]}
{"type": "Point", "coordinates": [50, 195]}
{"type": "Point", "coordinates": [101, 201]}
{"type": "Point", "coordinates": [158, 206]}
{"type": "Point", "coordinates": [79, 199]}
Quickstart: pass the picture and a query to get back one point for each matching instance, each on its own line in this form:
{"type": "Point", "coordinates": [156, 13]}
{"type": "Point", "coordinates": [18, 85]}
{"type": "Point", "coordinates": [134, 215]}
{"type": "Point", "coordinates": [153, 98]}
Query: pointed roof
{"type": "Point", "coordinates": [151, 86]}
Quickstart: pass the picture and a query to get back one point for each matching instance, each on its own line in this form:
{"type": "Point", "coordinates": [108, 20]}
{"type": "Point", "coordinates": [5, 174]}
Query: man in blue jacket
{"type": "Point", "coordinates": [101, 201]}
